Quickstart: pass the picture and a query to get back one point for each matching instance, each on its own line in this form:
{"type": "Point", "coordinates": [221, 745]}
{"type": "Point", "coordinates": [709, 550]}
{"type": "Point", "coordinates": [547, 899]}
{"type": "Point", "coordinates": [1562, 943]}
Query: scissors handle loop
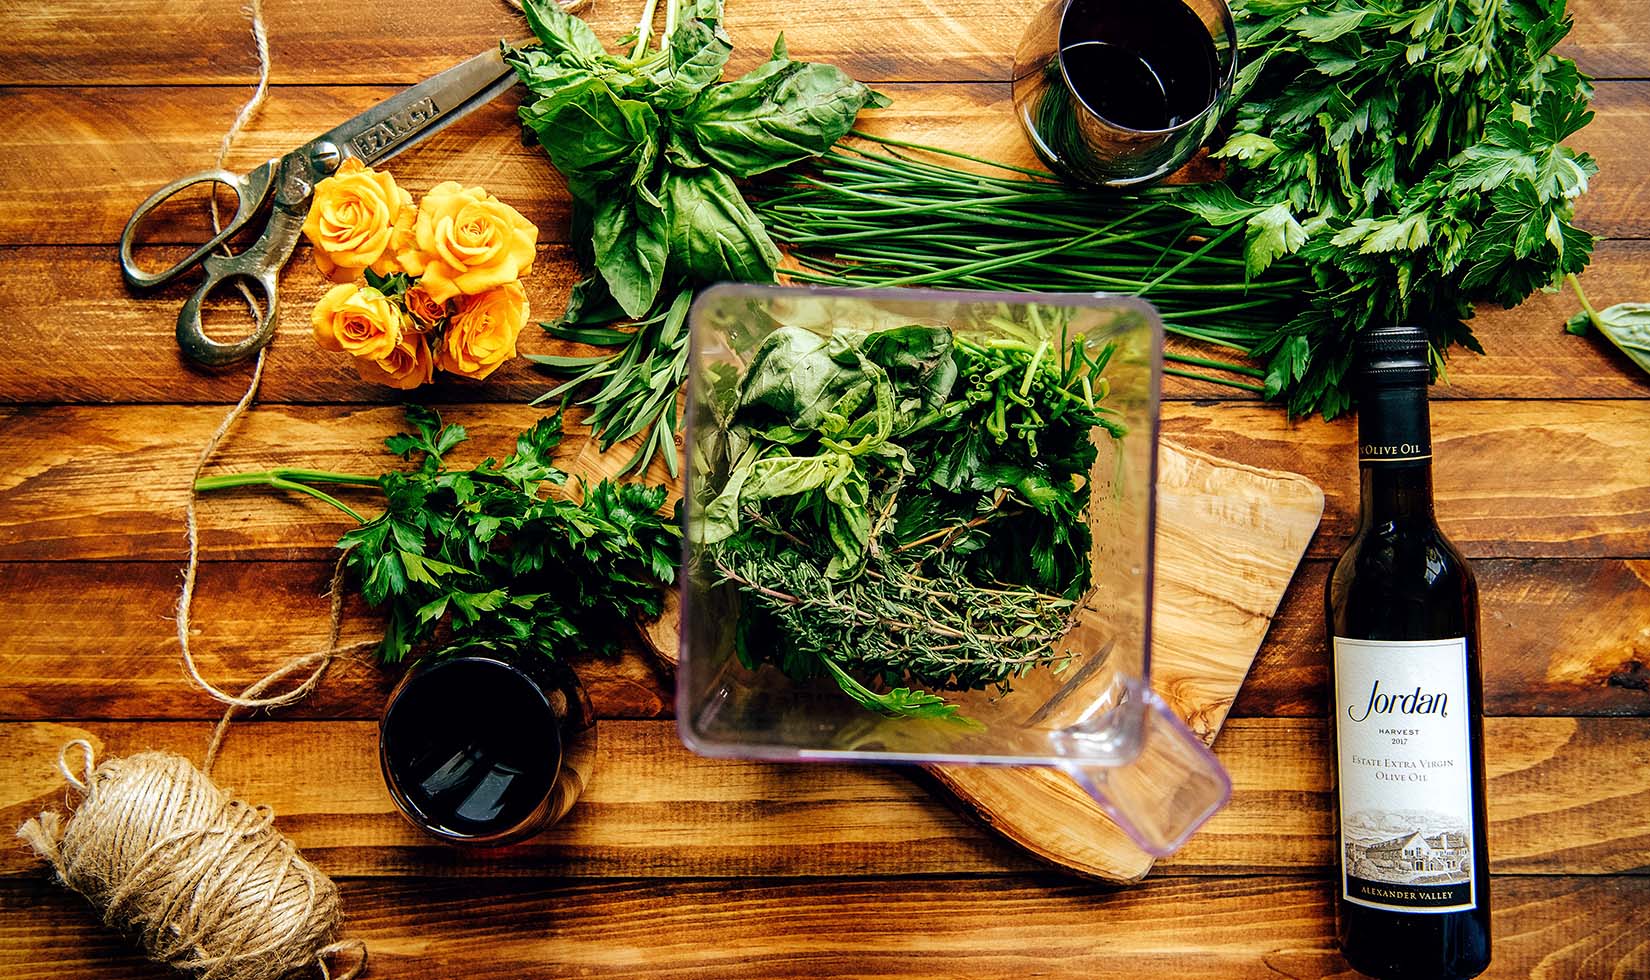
{"type": "Point", "coordinates": [251, 190]}
{"type": "Point", "coordinates": [262, 264]}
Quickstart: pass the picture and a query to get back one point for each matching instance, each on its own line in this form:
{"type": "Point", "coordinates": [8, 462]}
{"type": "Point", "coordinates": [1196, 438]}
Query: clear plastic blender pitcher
{"type": "Point", "coordinates": [1096, 719]}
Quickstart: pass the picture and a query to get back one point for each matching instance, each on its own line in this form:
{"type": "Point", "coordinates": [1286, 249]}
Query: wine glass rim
{"type": "Point", "coordinates": [1216, 101]}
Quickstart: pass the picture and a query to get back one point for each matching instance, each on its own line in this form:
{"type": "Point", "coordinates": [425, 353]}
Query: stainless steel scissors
{"type": "Point", "coordinates": [377, 134]}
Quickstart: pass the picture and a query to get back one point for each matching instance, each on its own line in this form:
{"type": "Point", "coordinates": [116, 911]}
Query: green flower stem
{"type": "Point", "coordinates": [288, 478]}
{"type": "Point", "coordinates": [1592, 314]}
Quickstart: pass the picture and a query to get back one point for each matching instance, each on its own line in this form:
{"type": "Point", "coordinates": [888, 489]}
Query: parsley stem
{"type": "Point", "coordinates": [289, 478]}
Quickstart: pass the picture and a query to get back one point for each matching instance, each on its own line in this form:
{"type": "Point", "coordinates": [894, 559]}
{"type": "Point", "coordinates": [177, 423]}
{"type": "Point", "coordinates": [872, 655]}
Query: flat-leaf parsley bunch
{"type": "Point", "coordinates": [485, 556]}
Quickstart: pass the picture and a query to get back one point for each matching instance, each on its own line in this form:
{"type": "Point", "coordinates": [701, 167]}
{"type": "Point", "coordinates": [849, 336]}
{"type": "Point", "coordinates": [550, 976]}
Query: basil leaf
{"type": "Point", "coordinates": [631, 250]}
{"type": "Point", "coordinates": [698, 52]}
{"type": "Point", "coordinates": [594, 136]}
{"type": "Point", "coordinates": [681, 152]}
{"type": "Point", "coordinates": [714, 234]}
{"type": "Point", "coordinates": [919, 364]}
{"type": "Point", "coordinates": [1627, 325]}
{"type": "Point", "coordinates": [589, 306]}
{"type": "Point", "coordinates": [561, 32]}
{"type": "Point", "coordinates": [780, 113]}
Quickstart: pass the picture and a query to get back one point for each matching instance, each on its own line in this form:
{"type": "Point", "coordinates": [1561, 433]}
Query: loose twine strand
{"type": "Point", "coordinates": [204, 882]}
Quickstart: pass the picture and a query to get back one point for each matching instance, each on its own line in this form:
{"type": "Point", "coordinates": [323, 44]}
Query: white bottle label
{"type": "Point", "coordinates": [1403, 752]}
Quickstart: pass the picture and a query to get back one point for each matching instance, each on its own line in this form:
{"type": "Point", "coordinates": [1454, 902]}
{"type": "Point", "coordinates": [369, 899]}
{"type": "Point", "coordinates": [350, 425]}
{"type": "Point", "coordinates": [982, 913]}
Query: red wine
{"type": "Point", "coordinates": [1407, 699]}
{"type": "Point", "coordinates": [1139, 64]}
{"type": "Point", "coordinates": [471, 748]}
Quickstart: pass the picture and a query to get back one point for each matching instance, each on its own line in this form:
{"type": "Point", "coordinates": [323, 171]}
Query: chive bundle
{"type": "Point", "coordinates": [880, 217]}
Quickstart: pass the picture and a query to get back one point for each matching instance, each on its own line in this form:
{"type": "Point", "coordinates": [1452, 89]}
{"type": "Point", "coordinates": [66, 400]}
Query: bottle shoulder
{"type": "Point", "coordinates": [1401, 582]}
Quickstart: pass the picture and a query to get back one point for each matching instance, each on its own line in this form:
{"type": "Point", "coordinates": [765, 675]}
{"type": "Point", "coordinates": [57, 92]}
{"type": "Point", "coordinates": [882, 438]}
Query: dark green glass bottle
{"type": "Point", "coordinates": [1413, 882]}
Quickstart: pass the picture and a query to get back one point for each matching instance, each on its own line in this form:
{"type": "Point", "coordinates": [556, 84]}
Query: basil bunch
{"type": "Point", "coordinates": [651, 144]}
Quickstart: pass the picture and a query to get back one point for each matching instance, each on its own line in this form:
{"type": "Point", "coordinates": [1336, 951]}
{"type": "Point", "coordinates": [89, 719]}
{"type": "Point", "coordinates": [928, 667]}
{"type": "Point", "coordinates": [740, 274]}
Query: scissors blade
{"type": "Point", "coordinates": [427, 108]}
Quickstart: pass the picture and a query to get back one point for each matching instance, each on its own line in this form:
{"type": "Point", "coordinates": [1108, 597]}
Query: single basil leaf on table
{"type": "Point", "coordinates": [714, 234]}
{"type": "Point", "coordinates": [1627, 325]}
{"type": "Point", "coordinates": [630, 237]}
{"type": "Point", "coordinates": [782, 112]}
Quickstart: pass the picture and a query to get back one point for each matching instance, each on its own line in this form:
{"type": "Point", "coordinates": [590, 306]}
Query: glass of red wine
{"type": "Point", "coordinates": [1123, 92]}
{"type": "Point", "coordinates": [486, 749]}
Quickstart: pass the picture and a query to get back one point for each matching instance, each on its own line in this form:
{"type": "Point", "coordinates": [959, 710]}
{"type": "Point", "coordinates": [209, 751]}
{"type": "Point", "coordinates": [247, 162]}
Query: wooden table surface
{"type": "Point", "coordinates": [685, 867]}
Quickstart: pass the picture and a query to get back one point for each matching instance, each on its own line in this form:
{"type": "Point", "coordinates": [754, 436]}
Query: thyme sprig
{"type": "Point", "coordinates": [941, 630]}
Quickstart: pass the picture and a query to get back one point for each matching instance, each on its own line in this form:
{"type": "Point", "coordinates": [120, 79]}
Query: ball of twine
{"type": "Point", "coordinates": [205, 883]}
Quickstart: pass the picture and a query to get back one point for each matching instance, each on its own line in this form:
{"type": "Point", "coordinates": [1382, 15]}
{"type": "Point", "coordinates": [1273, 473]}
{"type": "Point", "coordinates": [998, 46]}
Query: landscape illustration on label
{"type": "Point", "coordinates": [1408, 847]}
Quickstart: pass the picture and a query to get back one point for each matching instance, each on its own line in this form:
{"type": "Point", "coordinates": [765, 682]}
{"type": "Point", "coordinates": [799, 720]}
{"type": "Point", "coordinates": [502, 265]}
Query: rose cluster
{"type": "Point", "coordinates": [442, 286]}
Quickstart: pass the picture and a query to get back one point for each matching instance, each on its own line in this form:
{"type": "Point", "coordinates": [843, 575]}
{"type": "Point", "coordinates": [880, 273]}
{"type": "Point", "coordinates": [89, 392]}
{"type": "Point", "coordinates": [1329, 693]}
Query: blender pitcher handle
{"type": "Point", "coordinates": [1167, 791]}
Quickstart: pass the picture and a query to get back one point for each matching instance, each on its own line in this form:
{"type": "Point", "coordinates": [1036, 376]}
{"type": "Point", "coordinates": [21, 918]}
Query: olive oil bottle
{"type": "Point", "coordinates": [1402, 606]}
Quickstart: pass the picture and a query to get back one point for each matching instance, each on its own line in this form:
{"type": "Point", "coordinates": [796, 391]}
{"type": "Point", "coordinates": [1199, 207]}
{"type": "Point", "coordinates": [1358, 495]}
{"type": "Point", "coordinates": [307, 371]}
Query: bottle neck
{"type": "Point", "coordinates": [1395, 456]}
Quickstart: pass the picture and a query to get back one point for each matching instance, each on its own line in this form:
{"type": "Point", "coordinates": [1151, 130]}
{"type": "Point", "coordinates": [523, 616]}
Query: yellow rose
{"type": "Point", "coordinates": [408, 365]}
{"type": "Point", "coordinates": [466, 242]}
{"type": "Point", "coordinates": [357, 320]}
{"type": "Point", "coordinates": [482, 332]}
{"type": "Point", "coordinates": [354, 222]}
{"type": "Point", "coordinates": [424, 312]}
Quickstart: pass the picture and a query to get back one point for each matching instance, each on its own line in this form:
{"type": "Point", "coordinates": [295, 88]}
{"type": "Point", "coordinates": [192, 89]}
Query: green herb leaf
{"type": "Point", "coordinates": [714, 235]}
{"type": "Point", "coordinates": [1627, 325]}
{"type": "Point", "coordinates": [1270, 234]}
{"type": "Point", "coordinates": [560, 32]}
{"type": "Point", "coordinates": [631, 240]}
{"type": "Point", "coordinates": [781, 113]}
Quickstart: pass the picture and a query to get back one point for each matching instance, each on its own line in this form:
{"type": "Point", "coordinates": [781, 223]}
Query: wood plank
{"type": "Point", "coordinates": [1562, 637]}
{"type": "Point", "coordinates": [79, 42]}
{"type": "Point", "coordinates": [87, 156]}
{"type": "Point", "coordinates": [99, 641]}
{"type": "Point", "coordinates": [1554, 479]}
{"type": "Point", "coordinates": [1512, 479]}
{"type": "Point", "coordinates": [1566, 796]}
{"type": "Point", "coordinates": [915, 929]}
{"type": "Point", "coordinates": [132, 355]}
{"type": "Point", "coordinates": [1559, 638]}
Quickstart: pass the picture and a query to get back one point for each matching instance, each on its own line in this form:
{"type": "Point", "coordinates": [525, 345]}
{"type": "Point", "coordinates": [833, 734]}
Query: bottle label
{"type": "Point", "coordinates": [1393, 428]}
{"type": "Point", "coordinates": [1403, 751]}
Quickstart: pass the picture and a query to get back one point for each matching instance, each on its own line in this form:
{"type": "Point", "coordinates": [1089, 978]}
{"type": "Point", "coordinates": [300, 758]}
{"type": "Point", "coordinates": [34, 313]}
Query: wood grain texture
{"type": "Point", "coordinates": [79, 42]}
{"type": "Point", "coordinates": [95, 640]}
{"type": "Point", "coordinates": [132, 356]}
{"type": "Point", "coordinates": [1566, 795]}
{"type": "Point", "coordinates": [1228, 540]}
{"type": "Point", "coordinates": [90, 155]}
{"type": "Point", "coordinates": [929, 929]}
{"type": "Point", "coordinates": [99, 641]}
{"type": "Point", "coordinates": [1514, 478]}
{"type": "Point", "coordinates": [1559, 638]}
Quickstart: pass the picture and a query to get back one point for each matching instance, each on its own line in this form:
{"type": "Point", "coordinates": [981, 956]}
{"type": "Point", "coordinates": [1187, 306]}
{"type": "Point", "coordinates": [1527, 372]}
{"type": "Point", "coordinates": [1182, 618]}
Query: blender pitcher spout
{"type": "Point", "coordinates": [1163, 790]}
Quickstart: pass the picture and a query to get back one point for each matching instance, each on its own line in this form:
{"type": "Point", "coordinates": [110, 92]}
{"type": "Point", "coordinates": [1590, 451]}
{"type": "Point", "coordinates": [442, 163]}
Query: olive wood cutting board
{"type": "Point", "coordinates": [1229, 537]}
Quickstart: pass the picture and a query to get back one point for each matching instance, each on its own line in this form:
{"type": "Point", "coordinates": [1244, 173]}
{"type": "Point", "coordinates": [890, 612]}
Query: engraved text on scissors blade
{"type": "Point", "coordinates": [392, 130]}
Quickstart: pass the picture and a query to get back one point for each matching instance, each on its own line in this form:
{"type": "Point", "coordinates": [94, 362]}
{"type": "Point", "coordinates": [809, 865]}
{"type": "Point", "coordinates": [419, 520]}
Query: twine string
{"type": "Point", "coordinates": [204, 882]}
